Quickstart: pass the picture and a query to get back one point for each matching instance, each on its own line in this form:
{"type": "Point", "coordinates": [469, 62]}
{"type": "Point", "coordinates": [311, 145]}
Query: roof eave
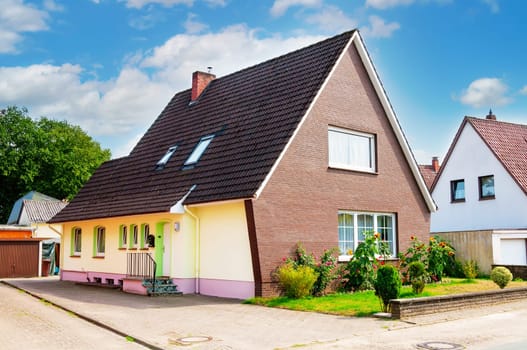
{"type": "Point", "coordinates": [394, 122]}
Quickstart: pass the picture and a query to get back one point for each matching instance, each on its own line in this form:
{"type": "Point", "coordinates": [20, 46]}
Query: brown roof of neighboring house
{"type": "Point", "coordinates": [507, 141]}
{"type": "Point", "coordinates": [42, 210]}
{"type": "Point", "coordinates": [429, 174]}
{"type": "Point", "coordinates": [253, 113]}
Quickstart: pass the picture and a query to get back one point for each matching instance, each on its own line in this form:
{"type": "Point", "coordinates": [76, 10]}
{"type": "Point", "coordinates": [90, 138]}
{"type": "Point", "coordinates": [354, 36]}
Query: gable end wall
{"type": "Point", "coordinates": [301, 200]}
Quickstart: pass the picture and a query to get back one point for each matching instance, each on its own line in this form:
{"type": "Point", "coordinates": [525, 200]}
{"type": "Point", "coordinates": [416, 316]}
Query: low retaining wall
{"type": "Point", "coordinates": [404, 308]}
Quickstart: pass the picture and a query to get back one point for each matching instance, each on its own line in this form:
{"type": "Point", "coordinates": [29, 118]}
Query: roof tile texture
{"type": "Point", "coordinates": [253, 113]}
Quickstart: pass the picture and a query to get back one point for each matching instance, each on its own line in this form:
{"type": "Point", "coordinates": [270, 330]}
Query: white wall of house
{"type": "Point", "coordinates": [470, 159]}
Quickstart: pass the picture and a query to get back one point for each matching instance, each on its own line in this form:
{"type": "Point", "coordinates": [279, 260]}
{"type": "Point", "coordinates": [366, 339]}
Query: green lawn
{"type": "Point", "coordinates": [366, 303]}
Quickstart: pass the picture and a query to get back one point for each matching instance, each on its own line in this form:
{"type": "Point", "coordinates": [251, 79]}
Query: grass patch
{"type": "Point", "coordinates": [366, 303]}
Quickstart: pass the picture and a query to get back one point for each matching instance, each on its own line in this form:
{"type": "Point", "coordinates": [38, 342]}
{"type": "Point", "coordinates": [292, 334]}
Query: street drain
{"type": "Point", "coordinates": [192, 339]}
{"type": "Point", "coordinates": [439, 345]}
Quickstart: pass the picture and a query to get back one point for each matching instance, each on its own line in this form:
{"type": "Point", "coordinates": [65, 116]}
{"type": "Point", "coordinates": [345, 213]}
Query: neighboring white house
{"type": "Point", "coordinates": [481, 193]}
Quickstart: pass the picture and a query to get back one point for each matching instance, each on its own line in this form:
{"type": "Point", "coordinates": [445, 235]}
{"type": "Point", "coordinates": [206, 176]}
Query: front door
{"type": "Point", "coordinates": [162, 252]}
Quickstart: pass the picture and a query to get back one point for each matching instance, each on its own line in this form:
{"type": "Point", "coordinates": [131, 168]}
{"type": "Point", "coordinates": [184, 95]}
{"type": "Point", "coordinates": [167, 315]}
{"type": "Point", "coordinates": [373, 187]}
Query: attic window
{"type": "Point", "coordinates": [163, 161]}
{"type": "Point", "coordinates": [199, 150]}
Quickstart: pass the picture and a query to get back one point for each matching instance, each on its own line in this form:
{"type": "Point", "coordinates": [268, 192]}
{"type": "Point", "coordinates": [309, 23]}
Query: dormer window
{"type": "Point", "coordinates": [163, 161]}
{"type": "Point", "coordinates": [199, 150]}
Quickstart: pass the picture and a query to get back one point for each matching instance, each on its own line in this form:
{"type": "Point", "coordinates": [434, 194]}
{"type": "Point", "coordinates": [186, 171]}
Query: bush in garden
{"type": "Point", "coordinates": [387, 285]}
{"type": "Point", "coordinates": [501, 276]}
{"type": "Point", "coordinates": [470, 269]}
{"type": "Point", "coordinates": [435, 257]}
{"type": "Point", "coordinates": [359, 273]}
{"type": "Point", "coordinates": [325, 268]}
{"type": "Point", "coordinates": [438, 255]}
{"type": "Point", "coordinates": [296, 281]}
{"type": "Point", "coordinates": [454, 267]}
{"type": "Point", "coordinates": [417, 276]}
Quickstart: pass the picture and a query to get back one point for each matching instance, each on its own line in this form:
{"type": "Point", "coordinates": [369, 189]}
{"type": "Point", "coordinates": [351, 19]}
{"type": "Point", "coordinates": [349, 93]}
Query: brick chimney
{"type": "Point", "coordinates": [435, 164]}
{"type": "Point", "coordinates": [490, 116]}
{"type": "Point", "coordinates": [200, 80]}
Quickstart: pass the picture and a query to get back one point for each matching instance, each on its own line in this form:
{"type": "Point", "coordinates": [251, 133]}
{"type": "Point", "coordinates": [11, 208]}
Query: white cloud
{"type": "Point", "coordinates": [493, 4]}
{"type": "Point", "coordinates": [280, 7]}
{"type": "Point", "coordinates": [119, 108]}
{"type": "Point", "coordinates": [216, 3]}
{"type": "Point", "coordinates": [192, 26]}
{"type": "Point", "coordinates": [332, 19]}
{"type": "Point", "coordinates": [384, 4]}
{"type": "Point", "coordinates": [167, 3]}
{"type": "Point", "coordinates": [523, 91]}
{"type": "Point", "coordinates": [486, 92]}
{"type": "Point", "coordinates": [16, 17]}
{"type": "Point", "coordinates": [51, 5]}
{"type": "Point", "coordinates": [378, 28]}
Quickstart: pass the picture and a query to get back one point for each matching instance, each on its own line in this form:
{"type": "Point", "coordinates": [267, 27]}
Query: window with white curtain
{"type": "Point", "coordinates": [100, 238]}
{"type": "Point", "coordinates": [353, 225]}
{"type": "Point", "coordinates": [351, 150]}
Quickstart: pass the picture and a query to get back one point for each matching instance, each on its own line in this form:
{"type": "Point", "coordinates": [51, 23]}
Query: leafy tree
{"type": "Point", "coordinates": [48, 156]}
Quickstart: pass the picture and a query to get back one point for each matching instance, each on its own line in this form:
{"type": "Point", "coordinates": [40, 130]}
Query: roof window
{"type": "Point", "coordinates": [199, 150]}
{"type": "Point", "coordinates": [163, 161]}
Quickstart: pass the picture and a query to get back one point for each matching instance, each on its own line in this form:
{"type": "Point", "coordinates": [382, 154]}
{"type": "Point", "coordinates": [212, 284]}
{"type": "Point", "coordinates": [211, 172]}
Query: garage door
{"type": "Point", "coordinates": [513, 252]}
{"type": "Point", "coordinates": [18, 259]}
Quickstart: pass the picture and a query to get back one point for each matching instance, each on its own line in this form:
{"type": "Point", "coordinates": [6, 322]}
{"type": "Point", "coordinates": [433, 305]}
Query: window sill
{"type": "Point", "coordinates": [487, 198]}
{"type": "Point", "coordinates": [353, 170]}
{"type": "Point", "coordinates": [132, 248]}
{"type": "Point", "coordinates": [98, 257]}
{"type": "Point", "coordinates": [458, 201]}
{"type": "Point", "coordinates": [144, 249]}
{"type": "Point", "coordinates": [75, 256]}
{"type": "Point", "coordinates": [121, 248]}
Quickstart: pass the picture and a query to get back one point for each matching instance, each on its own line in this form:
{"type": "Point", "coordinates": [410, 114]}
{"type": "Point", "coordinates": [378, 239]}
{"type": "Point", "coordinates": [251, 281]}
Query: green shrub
{"type": "Point", "coordinates": [454, 268]}
{"type": "Point", "coordinates": [359, 272]}
{"type": "Point", "coordinates": [296, 281]}
{"type": "Point", "coordinates": [387, 285]}
{"type": "Point", "coordinates": [417, 276]}
{"type": "Point", "coordinates": [325, 268]}
{"type": "Point", "coordinates": [501, 276]}
{"type": "Point", "coordinates": [470, 269]}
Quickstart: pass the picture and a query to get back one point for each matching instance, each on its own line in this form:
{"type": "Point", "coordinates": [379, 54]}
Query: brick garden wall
{"type": "Point", "coordinates": [404, 308]}
{"type": "Point", "coordinates": [301, 201]}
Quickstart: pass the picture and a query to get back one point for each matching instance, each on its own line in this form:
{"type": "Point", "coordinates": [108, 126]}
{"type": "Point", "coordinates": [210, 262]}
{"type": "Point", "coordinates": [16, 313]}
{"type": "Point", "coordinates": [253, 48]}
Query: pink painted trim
{"type": "Point", "coordinates": [83, 276]}
{"type": "Point", "coordinates": [226, 289]}
{"type": "Point", "coordinates": [185, 285]}
{"type": "Point", "coordinates": [134, 286]}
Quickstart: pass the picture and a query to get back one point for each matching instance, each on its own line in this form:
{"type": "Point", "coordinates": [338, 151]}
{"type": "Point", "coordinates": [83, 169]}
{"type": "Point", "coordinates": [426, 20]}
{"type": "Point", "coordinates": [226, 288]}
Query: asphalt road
{"type": "Point", "coordinates": [28, 323]}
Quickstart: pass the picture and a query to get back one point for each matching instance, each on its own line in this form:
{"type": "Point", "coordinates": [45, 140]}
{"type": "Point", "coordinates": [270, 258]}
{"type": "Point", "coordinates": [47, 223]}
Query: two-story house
{"type": "Point", "coordinates": [237, 170]}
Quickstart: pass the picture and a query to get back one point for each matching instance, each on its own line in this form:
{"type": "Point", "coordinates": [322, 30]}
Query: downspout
{"type": "Point", "coordinates": [197, 234]}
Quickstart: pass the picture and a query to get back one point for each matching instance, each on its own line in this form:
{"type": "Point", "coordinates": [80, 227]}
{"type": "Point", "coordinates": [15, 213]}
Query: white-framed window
{"type": "Point", "coordinates": [352, 226]}
{"type": "Point", "coordinates": [100, 241]}
{"type": "Point", "coordinates": [199, 150]}
{"type": "Point", "coordinates": [135, 236]}
{"type": "Point", "coordinates": [351, 150]}
{"type": "Point", "coordinates": [123, 237]}
{"type": "Point", "coordinates": [162, 162]}
{"type": "Point", "coordinates": [145, 233]}
{"type": "Point", "coordinates": [76, 240]}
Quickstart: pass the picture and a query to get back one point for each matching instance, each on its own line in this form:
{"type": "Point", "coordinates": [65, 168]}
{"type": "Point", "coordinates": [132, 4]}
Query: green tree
{"type": "Point", "coordinates": [48, 156]}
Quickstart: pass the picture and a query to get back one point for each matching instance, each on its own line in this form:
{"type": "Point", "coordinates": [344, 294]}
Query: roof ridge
{"type": "Point", "coordinates": [495, 121]}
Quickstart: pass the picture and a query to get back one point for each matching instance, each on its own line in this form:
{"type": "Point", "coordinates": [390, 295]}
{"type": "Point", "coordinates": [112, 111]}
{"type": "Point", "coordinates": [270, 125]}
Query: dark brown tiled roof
{"type": "Point", "coordinates": [253, 113]}
{"type": "Point", "coordinates": [508, 142]}
{"type": "Point", "coordinates": [429, 174]}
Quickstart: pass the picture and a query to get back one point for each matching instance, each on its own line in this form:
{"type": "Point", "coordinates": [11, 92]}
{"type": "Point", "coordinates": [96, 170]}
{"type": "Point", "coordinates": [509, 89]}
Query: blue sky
{"type": "Point", "coordinates": [111, 66]}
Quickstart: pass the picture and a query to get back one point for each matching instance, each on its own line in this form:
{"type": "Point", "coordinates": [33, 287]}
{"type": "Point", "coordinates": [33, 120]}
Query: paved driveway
{"type": "Point", "coordinates": [227, 324]}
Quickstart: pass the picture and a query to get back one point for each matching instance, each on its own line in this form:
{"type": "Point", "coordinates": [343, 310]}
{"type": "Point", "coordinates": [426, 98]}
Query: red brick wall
{"type": "Point", "coordinates": [301, 201]}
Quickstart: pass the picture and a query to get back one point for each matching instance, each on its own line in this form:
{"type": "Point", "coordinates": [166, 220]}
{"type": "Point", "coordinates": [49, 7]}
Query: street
{"type": "Point", "coordinates": [28, 323]}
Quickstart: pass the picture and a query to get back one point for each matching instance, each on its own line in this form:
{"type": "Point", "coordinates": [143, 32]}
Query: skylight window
{"type": "Point", "coordinates": [163, 161]}
{"type": "Point", "coordinates": [199, 150]}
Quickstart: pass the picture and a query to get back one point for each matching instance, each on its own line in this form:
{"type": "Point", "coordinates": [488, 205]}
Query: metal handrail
{"type": "Point", "coordinates": [141, 265]}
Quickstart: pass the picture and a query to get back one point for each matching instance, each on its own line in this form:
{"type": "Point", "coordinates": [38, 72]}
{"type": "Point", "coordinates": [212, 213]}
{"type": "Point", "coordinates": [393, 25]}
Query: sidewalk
{"type": "Point", "coordinates": [200, 322]}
